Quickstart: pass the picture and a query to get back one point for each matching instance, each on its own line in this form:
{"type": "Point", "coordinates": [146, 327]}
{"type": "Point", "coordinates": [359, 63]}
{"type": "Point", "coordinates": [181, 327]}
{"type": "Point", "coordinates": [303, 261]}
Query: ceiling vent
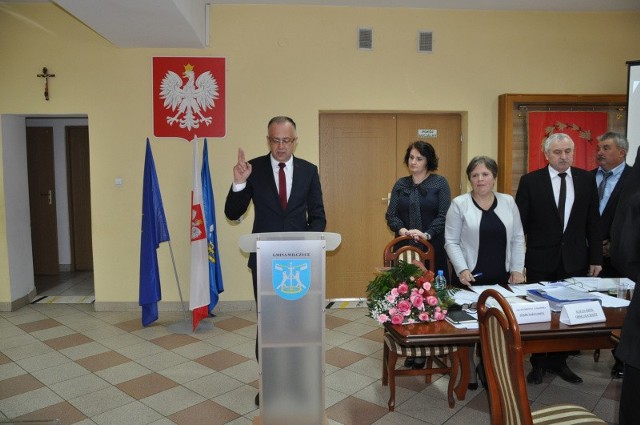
{"type": "Point", "coordinates": [425, 41]}
{"type": "Point", "coordinates": [365, 38]}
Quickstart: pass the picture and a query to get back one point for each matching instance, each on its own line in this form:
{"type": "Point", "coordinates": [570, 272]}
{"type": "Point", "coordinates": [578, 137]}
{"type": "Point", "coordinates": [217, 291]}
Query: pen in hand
{"type": "Point", "coordinates": [476, 275]}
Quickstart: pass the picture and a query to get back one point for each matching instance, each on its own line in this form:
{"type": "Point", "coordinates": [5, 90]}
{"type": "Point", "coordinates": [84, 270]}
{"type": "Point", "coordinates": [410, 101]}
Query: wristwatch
{"type": "Point", "coordinates": [428, 236]}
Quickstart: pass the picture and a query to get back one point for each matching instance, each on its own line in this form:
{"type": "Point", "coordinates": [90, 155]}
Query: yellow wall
{"type": "Point", "coordinates": [284, 60]}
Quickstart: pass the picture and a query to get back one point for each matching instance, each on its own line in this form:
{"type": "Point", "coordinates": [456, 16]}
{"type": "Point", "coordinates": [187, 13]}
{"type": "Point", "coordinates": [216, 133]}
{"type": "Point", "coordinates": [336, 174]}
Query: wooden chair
{"type": "Point", "coordinates": [440, 359]}
{"type": "Point", "coordinates": [615, 336]}
{"type": "Point", "coordinates": [408, 253]}
{"type": "Point", "coordinates": [503, 359]}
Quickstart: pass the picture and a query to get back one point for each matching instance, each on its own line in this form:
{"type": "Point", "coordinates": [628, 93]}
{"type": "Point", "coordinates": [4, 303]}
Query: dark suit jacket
{"type": "Point", "coordinates": [581, 244]}
{"type": "Point", "coordinates": [305, 209]}
{"type": "Point", "coordinates": [625, 256]}
{"type": "Point", "coordinates": [610, 209]}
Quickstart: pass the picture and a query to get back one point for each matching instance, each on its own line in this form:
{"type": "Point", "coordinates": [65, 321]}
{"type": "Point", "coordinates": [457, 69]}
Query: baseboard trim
{"type": "Point", "coordinates": [20, 302]}
{"type": "Point", "coordinates": [222, 307]}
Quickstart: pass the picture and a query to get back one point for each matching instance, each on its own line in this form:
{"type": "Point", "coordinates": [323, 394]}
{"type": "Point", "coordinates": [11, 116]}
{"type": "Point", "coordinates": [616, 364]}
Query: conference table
{"type": "Point", "coordinates": [536, 337]}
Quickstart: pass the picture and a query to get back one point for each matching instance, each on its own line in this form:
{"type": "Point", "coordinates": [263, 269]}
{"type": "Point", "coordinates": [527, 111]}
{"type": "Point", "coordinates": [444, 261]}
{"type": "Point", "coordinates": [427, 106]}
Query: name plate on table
{"type": "Point", "coordinates": [533, 312]}
{"type": "Point", "coordinates": [581, 313]}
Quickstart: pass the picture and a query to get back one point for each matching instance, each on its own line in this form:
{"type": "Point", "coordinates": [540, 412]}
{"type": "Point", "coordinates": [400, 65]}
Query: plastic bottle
{"type": "Point", "coordinates": [440, 281]}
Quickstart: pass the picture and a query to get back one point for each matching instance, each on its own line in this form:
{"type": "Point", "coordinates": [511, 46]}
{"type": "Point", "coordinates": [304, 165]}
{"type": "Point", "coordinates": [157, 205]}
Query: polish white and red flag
{"type": "Point", "coordinates": [189, 97]}
{"type": "Point", "coordinates": [199, 296]}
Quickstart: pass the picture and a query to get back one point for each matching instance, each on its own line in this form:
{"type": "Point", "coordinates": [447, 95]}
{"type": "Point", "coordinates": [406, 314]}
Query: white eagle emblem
{"type": "Point", "coordinates": [190, 99]}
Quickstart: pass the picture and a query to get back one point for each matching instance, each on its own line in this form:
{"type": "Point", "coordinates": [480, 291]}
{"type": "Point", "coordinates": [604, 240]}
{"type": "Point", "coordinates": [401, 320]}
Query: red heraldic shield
{"type": "Point", "coordinates": [189, 97]}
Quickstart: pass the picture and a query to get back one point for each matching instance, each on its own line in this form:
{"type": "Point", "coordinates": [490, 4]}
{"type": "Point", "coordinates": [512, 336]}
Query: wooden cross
{"type": "Point", "coordinates": [45, 74]}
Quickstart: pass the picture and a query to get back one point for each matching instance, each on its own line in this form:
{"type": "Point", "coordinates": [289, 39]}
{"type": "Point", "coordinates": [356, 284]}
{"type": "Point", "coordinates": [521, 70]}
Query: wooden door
{"type": "Point", "coordinates": [361, 157]}
{"type": "Point", "coordinates": [42, 201]}
{"type": "Point", "coordinates": [357, 157]}
{"type": "Point", "coordinates": [78, 182]}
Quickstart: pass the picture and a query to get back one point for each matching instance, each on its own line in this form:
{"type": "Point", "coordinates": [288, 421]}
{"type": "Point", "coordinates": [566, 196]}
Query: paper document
{"type": "Point", "coordinates": [479, 289]}
{"type": "Point", "coordinates": [609, 301]}
{"type": "Point", "coordinates": [588, 284]}
{"type": "Point", "coordinates": [518, 290]}
{"type": "Point", "coordinates": [491, 303]}
{"type": "Point", "coordinates": [526, 286]}
{"type": "Point", "coordinates": [469, 325]}
{"type": "Point", "coordinates": [464, 297]}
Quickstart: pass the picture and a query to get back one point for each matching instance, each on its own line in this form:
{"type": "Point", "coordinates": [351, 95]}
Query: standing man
{"type": "Point", "coordinates": [625, 255]}
{"type": "Point", "coordinates": [285, 190]}
{"type": "Point", "coordinates": [611, 176]}
{"type": "Point", "coordinates": [610, 179]}
{"type": "Point", "coordinates": [559, 210]}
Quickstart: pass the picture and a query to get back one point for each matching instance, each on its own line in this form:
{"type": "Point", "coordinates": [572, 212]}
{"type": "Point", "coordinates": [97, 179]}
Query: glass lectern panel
{"type": "Point", "coordinates": [291, 297]}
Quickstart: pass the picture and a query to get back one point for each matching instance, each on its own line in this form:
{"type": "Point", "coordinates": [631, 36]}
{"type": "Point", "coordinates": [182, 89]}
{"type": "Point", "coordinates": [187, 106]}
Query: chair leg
{"type": "Point", "coordinates": [385, 365]}
{"type": "Point", "coordinates": [393, 358]}
{"type": "Point", "coordinates": [461, 359]}
{"type": "Point", "coordinates": [453, 377]}
{"type": "Point", "coordinates": [429, 365]}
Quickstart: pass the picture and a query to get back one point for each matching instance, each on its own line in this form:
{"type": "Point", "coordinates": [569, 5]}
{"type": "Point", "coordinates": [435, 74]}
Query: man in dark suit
{"type": "Point", "coordinates": [559, 210]}
{"type": "Point", "coordinates": [611, 176]}
{"type": "Point", "coordinates": [625, 256]}
{"type": "Point", "coordinates": [285, 190]}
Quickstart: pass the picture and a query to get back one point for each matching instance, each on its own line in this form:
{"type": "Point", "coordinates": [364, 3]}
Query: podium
{"type": "Point", "coordinates": [291, 323]}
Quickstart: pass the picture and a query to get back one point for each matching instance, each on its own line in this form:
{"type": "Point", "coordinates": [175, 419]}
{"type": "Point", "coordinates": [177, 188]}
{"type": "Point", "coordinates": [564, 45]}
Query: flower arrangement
{"type": "Point", "coordinates": [405, 294]}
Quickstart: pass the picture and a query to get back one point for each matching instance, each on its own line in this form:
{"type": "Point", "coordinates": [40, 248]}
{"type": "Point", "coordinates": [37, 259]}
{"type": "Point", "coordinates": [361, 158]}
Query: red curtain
{"type": "Point", "coordinates": [583, 127]}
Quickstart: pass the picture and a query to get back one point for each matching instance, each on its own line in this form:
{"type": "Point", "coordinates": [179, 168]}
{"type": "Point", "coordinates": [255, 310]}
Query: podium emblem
{"type": "Point", "coordinates": [291, 278]}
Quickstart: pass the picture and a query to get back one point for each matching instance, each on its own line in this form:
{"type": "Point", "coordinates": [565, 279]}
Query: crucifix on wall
{"type": "Point", "coordinates": [45, 74]}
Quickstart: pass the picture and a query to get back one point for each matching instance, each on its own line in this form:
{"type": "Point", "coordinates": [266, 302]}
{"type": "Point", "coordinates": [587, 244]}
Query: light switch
{"type": "Point", "coordinates": [118, 181]}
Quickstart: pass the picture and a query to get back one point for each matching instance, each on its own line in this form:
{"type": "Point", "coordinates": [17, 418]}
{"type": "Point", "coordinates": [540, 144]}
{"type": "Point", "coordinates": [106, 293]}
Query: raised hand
{"type": "Point", "coordinates": [242, 169]}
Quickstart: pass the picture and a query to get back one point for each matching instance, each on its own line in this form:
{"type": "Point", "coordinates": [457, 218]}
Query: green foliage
{"type": "Point", "coordinates": [402, 272]}
{"type": "Point", "coordinates": [388, 279]}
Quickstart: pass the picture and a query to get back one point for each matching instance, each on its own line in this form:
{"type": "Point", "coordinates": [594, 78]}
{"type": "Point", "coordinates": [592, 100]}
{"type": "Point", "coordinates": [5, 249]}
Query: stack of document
{"type": "Point", "coordinates": [557, 296]}
{"type": "Point", "coordinates": [590, 284]}
{"type": "Point", "coordinates": [562, 294]}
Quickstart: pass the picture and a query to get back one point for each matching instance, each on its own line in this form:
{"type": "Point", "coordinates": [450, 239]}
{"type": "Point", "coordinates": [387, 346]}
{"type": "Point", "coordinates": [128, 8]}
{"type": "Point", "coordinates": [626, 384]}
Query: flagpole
{"type": "Point", "coordinates": [186, 326]}
{"type": "Point", "coordinates": [175, 272]}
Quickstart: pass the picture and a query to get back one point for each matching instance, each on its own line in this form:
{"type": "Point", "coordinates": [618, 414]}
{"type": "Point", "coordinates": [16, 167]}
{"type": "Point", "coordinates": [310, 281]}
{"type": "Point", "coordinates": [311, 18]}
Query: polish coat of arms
{"type": "Point", "coordinates": [189, 97]}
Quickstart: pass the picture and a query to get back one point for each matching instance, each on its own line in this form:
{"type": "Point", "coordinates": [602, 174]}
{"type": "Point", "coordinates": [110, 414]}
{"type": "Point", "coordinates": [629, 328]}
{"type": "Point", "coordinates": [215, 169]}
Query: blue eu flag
{"type": "Point", "coordinates": [154, 232]}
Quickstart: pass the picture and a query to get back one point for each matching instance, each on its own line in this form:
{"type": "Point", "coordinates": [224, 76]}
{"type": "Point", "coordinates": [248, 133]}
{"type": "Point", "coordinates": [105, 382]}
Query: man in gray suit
{"type": "Point", "coordinates": [559, 211]}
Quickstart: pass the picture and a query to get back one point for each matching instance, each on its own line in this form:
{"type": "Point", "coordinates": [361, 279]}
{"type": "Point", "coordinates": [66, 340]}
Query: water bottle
{"type": "Point", "coordinates": [440, 281]}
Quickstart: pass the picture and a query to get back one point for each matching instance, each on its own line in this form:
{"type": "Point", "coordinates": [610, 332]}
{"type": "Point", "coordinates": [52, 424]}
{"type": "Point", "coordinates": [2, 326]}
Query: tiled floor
{"type": "Point", "coordinates": [65, 284]}
{"type": "Point", "coordinates": [67, 361]}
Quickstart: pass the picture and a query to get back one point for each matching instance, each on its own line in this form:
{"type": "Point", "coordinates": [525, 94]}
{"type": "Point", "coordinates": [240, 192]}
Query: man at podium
{"type": "Point", "coordinates": [285, 190]}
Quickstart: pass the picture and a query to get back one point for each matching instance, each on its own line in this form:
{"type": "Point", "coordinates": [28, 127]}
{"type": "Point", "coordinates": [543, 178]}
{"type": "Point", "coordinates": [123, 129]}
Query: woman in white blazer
{"type": "Point", "coordinates": [483, 232]}
{"type": "Point", "coordinates": [483, 236]}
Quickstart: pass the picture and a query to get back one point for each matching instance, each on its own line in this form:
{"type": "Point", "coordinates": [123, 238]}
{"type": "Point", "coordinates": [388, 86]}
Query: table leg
{"type": "Point", "coordinates": [463, 359]}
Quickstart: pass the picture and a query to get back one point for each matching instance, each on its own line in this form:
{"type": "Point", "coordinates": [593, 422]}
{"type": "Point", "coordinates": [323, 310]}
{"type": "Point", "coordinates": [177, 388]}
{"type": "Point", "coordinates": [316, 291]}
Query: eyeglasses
{"type": "Point", "coordinates": [285, 141]}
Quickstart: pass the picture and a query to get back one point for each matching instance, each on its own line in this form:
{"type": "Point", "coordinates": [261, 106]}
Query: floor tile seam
{"type": "Point", "coordinates": [120, 407]}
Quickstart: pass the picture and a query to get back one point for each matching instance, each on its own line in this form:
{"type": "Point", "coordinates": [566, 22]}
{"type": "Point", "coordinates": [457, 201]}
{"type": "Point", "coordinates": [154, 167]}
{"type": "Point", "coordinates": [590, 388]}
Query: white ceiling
{"type": "Point", "coordinates": [184, 23]}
